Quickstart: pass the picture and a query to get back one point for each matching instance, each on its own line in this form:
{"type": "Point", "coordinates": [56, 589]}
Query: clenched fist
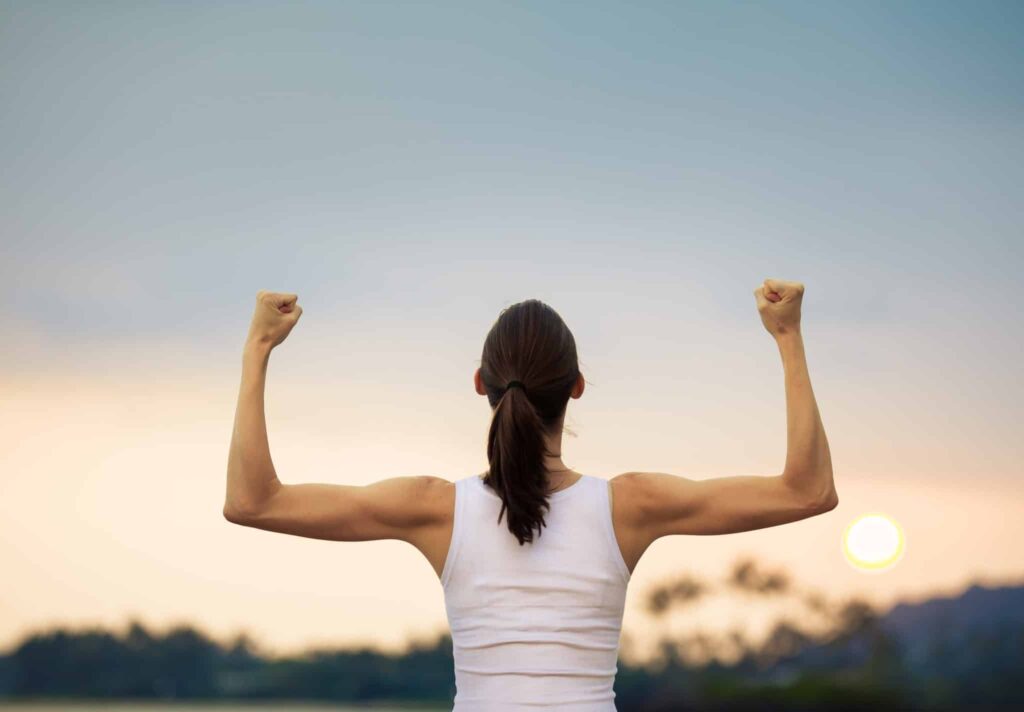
{"type": "Point", "coordinates": [276, 313]}
{"type": "Point", "coordinates": [778, 302]}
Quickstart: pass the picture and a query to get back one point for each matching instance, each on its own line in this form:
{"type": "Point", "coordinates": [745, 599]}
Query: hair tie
{"type": "Point", "coordinates": [513, 384]}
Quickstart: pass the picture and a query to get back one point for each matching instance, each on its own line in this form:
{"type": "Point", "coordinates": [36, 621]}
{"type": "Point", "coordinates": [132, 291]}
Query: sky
{"type": "Point", "coordinates": [409, 170]}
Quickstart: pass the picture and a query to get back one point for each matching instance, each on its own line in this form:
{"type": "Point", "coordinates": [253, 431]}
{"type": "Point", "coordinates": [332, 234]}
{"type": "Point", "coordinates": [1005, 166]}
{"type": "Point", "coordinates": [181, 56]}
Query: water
{"type": "Point", "coordinates": [267, 706]}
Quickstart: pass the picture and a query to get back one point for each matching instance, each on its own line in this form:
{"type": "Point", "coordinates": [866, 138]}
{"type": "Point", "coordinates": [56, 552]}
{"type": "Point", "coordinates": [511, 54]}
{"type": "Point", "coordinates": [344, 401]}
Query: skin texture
{"type": "Point", "coordinates": [645, 506]}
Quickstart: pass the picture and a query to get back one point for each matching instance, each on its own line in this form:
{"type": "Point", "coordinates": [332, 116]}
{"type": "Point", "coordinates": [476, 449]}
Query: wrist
{"type": "Point", "coordinates": [790, 343]}
{"type": "Point", "coordinates": [256, 349]}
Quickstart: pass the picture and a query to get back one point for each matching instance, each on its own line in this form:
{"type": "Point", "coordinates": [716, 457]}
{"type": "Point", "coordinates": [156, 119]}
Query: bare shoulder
{"type": "Point", "coordinates": [438, 495]}
{"type": "Point", "coordinates": [634, 493]}
{"type": "Point", "coordinates": [424, 512]}
{"type": "Point", "coordinates": [432, 533]}
{"type": "Point", "coordinates": [631, 497]}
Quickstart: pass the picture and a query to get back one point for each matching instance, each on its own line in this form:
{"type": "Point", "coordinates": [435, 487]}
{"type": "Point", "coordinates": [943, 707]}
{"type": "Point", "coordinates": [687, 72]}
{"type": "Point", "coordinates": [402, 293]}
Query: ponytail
{"type": "Point", "coordinates": [516, 445]}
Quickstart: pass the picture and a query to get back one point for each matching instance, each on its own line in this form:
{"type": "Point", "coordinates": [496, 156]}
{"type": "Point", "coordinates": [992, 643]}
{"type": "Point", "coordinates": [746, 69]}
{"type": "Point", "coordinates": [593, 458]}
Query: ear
{"type": "Point", "coordinates": [578, 387]}
{"type": "Point", "coordinates": [478, 383]}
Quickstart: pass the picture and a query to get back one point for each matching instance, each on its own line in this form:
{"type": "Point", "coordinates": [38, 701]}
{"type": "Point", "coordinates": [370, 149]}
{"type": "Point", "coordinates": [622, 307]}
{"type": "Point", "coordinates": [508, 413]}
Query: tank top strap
{"type": "Point", "coordinates": [603, 495]}
{"type": "Point", "coordinates": [463, 491]}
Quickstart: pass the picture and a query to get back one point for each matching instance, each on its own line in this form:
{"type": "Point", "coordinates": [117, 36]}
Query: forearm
{"type": "Point", "coordinates": [251, 477]}
{"type": "Point", "coordinates": [808, 466]}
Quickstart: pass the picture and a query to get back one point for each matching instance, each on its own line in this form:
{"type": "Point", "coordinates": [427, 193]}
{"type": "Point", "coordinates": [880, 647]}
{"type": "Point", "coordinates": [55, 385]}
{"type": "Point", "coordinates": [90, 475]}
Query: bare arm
{"type": "Point", "coordinates": [396, 508]}
{"type": "Point", "coordinates": [650, 505]}
{"type": "Point", "coordinates": [808, 467]}
{"type": "Point", "coordinates": [252, 479]}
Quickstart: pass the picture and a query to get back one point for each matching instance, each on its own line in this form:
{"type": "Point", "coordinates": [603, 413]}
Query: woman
{"type": "Point", "coordinates": [534, 558]}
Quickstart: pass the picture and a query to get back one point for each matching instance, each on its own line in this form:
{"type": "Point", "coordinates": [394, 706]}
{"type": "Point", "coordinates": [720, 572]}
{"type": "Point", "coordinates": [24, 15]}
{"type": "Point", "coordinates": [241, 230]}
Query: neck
{"type": "Point", "coordinates": [554, 463]}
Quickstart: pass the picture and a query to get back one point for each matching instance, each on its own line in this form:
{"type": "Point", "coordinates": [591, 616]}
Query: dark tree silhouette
{"type": "Point", "coordinates": [963, 653]}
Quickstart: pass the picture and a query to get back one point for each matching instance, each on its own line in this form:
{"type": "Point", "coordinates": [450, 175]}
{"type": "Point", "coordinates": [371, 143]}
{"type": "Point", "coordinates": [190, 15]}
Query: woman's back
{"type": "Point", "coordinates": [536, 624]}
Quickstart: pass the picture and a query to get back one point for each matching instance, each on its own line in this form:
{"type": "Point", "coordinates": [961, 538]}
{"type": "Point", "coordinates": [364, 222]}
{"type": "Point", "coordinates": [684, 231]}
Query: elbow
{"type": "Point", "coordinates": [817, 499]}
{"type": "Point", "coordinates": [236, 514]}
{"type": "Point", "coordinates": [244, 509]}
{"type": "Point", "coordinates": [232, 514]}
{"type": "Point", "coordinates": [827, 502]}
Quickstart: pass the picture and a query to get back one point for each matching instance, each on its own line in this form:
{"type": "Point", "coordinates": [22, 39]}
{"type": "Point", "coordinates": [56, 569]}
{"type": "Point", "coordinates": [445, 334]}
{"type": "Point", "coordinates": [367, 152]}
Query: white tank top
{"type": "Point", "coordinates": [535, 625]}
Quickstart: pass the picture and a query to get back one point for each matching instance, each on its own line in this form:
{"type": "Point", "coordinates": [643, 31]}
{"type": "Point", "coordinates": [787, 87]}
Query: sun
{"type": "Point", "coordinates": [873, 542]}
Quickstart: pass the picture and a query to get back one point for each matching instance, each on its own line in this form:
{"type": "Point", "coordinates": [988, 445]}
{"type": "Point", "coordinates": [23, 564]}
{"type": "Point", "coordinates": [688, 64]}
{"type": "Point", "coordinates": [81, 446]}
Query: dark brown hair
{"type": "Point", "coordinates": [530, 343]}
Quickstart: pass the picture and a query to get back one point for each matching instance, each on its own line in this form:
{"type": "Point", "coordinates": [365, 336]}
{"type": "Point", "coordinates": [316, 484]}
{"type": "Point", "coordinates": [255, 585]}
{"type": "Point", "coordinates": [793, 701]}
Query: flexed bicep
{"type": "Point", "coordinates": [395, 508]}
{"type": "Point", "coordinates": [662, 504]}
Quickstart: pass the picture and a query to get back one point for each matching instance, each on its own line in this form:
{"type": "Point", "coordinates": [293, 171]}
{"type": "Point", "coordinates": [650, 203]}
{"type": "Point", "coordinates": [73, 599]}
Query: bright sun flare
{"type": "Point", "coordinates": [873, 542]}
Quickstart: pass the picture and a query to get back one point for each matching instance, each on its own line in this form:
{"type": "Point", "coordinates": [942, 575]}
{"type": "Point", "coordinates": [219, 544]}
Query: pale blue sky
{"type": "Point", "coordinates": [411, 168]}
{"type": "Point", "coordinates": [181, 154]}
